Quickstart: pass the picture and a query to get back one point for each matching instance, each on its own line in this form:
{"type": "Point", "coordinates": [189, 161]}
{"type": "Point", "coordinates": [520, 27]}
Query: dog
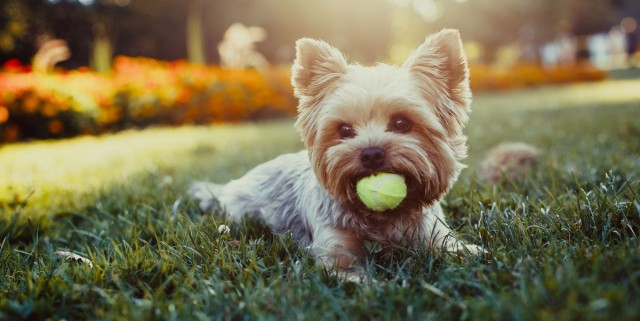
{"type": "Point", "coordinates": [356, 121]}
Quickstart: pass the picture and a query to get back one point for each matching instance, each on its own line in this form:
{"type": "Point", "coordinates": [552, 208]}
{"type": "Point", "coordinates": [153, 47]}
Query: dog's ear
{"type": "Point", "coordinates": [440, 61]}
{"type": "Point", "coordinates": [317, 68]}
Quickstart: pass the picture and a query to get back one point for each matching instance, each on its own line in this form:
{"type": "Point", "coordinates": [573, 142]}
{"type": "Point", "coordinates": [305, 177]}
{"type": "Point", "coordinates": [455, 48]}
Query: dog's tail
{"type": "Point", "coordinates": [511, 160]}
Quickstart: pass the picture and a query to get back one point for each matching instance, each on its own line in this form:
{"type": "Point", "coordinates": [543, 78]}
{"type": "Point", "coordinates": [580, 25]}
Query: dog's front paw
{"type": "Point", "coordinates": [351, 276]}
{"type": "Point", "coordinates": [462, 248]}
{"type": "Point", "coordinates": [473, 249]}
{"type": "Point", "coordinates": [205, 194]}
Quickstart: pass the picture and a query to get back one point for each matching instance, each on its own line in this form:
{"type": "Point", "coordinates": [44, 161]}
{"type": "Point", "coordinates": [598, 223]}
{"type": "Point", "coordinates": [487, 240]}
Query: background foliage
{"type": "Point", "coordinates": [158, 28]}
{"type": "Point", "coordinates": [143, 92]}
{"type": "Point", "coordinates": [140, 93]}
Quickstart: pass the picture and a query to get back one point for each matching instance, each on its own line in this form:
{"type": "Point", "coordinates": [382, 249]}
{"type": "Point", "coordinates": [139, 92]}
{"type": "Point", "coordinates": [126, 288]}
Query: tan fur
{"type": "Point", "coordinates": [349, 252]}
{"type": "Point", "coordinates": [313, 193]}
{"type": "Point", "coordinates": [431, 89]}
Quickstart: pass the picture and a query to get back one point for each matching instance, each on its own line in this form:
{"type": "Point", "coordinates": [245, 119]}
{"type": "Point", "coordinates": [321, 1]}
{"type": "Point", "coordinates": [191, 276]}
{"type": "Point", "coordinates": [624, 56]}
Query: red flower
{"type": "Point", "coordinates": [13, 65]}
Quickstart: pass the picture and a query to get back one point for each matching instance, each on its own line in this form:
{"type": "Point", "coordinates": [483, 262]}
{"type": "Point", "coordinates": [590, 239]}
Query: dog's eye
{"type": "Point", "coordinates": [400, 124]}
{"type": "Point", "coordinates": [346, 131]}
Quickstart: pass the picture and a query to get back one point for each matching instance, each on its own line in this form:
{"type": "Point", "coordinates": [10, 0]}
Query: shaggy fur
{"type": "Point", "coordinates": [414, 113]}
{"type": "Point", "coordinates": [511, 160]}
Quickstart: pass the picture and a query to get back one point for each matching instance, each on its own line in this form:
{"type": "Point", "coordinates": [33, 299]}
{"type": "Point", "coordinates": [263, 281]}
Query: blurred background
{"type": "Point", "coordinates": [72, 67]}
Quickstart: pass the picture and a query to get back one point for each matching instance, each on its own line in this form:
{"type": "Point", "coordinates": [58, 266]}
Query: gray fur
{"type": "Point", "coordinates": [285, 194]}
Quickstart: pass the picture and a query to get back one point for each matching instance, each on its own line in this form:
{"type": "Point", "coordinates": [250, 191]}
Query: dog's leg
{"type": "Point", "coordinates": [268, 192]}
{"type": "Point", "coordinates": [439, 235]}
{"type": "Point", "coordinates": [237, 198]}
{"type": "Point", "coordinates": [339, 250]}
{"type": "Point", "coordinates": [206, 194]}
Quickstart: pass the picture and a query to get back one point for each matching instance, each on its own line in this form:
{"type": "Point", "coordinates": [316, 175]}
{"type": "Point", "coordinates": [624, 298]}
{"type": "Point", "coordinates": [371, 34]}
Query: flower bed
{"type": "Point", "coordinates": [487, 78]}
{"type": "Point", "coordinates": [140, 92]}
{"type": "Point", "coordinates": [143, 92]}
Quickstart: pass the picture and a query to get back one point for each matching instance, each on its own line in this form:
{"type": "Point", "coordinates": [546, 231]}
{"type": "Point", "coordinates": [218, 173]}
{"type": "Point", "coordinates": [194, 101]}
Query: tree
{"type": "Point", "coordinates": [495, 23]}
{"type": "Point", "coordinates": [13, 24]}
{"type": "Point", "coordinates": [194, 32]}
{"type": "Point", "coordinates": [20, 23]}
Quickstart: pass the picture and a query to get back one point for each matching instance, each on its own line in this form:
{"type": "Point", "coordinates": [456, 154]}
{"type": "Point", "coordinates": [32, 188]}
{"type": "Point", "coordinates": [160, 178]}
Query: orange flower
{"type": "Point", "coordinates": [4, 114]}
{"type": "Point", "coordinates": [30, 104]}
{"type": "Point", "coordinates": [55, 126]}
{"type": "Point", "coordinates": [49, 110]}
{"type": "Point", "coordinates": [11, 134]}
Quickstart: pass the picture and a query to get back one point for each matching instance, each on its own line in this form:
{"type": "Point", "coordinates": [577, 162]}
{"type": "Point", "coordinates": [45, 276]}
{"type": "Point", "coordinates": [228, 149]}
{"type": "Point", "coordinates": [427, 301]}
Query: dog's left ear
{"type": "Point", "coordinates": [318, 66]}
{"type": "Point", "coordinates": [441, 62]}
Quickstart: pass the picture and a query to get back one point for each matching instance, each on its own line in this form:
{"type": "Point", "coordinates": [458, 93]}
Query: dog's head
{"type": "Point", "coordinates": [408, 120]}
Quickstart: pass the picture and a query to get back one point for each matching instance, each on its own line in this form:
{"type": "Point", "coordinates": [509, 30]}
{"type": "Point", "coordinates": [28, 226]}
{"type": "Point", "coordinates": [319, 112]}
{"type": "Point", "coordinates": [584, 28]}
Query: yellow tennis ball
{"type": "Point", "coordinates": [381, 192]}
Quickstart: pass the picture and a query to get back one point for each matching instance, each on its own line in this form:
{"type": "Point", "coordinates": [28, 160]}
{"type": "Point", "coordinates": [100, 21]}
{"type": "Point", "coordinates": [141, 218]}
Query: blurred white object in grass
{"type": "Point", "coordinates": [223, 229]}
{"type": "Point", "coordinates": [72, 257]}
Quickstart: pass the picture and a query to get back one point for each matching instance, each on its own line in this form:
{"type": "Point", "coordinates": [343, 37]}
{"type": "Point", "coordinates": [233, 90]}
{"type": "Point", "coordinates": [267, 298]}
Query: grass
{"type": "Point", "coordinates": [563, 243]}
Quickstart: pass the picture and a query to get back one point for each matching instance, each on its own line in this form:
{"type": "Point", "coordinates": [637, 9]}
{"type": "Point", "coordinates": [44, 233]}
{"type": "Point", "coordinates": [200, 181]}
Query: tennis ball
{"type": "Point", "coordinates": [382, 191]}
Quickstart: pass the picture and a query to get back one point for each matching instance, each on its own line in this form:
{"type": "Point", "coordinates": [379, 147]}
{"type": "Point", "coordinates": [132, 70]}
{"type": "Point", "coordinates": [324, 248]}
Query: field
{"type": "Point", "coordinates": [562, 243]}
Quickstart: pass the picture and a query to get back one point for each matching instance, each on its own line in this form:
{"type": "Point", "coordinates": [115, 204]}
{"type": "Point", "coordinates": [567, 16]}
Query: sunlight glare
{"type": "Point", "coordinates": [86, 2]}
{"type": "Point", "coordinates": [402, 3]}
{"type": "Point", "coordinates": [429, 10]}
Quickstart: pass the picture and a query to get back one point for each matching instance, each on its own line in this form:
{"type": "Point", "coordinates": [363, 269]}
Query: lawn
{"type": "Point", "coordinates": [562, 243]}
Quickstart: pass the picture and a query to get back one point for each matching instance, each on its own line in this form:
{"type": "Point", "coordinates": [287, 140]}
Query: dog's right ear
{"type": "Point", "coordinates": [318, 66]}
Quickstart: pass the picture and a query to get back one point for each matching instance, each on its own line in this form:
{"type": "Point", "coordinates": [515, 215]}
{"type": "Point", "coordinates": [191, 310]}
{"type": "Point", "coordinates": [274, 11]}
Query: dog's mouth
{"type": "Point", "coordinates": [414, 199]}
{"type": "Point", "coordinates": [409, 180]}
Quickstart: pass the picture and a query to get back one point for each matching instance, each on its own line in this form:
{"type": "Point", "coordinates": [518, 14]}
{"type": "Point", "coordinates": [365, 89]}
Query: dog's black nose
{"type": "Point", "coordinates": [372, 157]}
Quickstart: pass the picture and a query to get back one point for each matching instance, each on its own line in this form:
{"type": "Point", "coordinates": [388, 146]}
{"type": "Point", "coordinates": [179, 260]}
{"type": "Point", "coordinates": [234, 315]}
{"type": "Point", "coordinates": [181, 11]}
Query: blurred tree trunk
{"type": "Point", "coordinates": [102, 47]}
{"type": "Point", "coordinates": [195, 33]}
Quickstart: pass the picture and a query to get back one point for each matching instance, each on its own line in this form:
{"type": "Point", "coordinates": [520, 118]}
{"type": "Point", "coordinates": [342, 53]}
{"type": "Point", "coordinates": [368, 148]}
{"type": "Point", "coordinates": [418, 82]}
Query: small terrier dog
{"type": "Point", "coordinates": [356, 121]}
